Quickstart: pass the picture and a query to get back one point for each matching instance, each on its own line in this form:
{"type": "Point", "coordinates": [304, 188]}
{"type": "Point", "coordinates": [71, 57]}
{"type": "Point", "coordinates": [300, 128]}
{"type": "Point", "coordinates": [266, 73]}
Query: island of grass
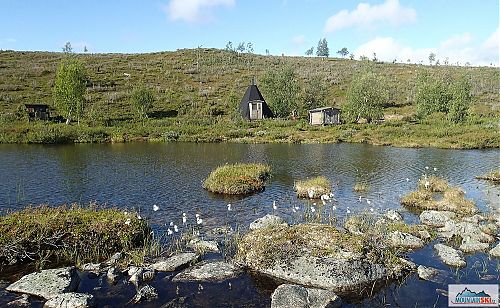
{"type": "Point", "coordinates": [313, 188]}
{"type": "Point", "coordinates": [237, 179]}
{"type": "Point", "coordinates": [71, 234]}
{"type": "Point", "coordinates": [493, 176]}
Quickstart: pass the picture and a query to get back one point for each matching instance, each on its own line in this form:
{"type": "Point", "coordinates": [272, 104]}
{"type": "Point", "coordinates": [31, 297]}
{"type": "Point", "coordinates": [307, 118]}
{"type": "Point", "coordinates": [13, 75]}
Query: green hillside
{"type": "Point", "coordinates": [197, 93]}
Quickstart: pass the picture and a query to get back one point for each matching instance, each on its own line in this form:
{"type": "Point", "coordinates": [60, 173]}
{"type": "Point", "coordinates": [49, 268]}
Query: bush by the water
{"type": "Point", "coordinates": [313, 188]}
{"type": "Point", "coordinates": [73, 234]}
{"type": "Point", "coordinates": [237, 179]}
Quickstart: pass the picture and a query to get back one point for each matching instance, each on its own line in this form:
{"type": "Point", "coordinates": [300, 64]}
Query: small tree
{"type": "Point", "coordinates": [67, 48]}
{"type": "Point", "coordinates": [322, 50]}
{"type": "Point", "coordinates": [461, 99]}
{"type": "Point", "coordinates": [310, 51]}
{"type": "Point", "coordinates": [351, 56]}
{"type": "Point", "coordinates": [142, 100]}
{"type": "Point", "coordinates": [281, 91]}
{"type": "Point", "coordinates": [314, 93]}
{"type": "Point", "coordinates": [432, 57]}
{"type": "Point", "coordinates": [431, 95]}
{"type": "Point", "coordinates": [69, 89]}
{"type": "Point", "coordinates": [249, 47]}
{"type": "Point", "coordinates": [343, 52]}
{"type": "Point", "coordinates": [85, 49]}
{"type": "Point", "coordinates": [366, 97]}
{"type": "Point", "coordinates": [229, 46]}
{"type": "Point", "coordinates": [241, 47]}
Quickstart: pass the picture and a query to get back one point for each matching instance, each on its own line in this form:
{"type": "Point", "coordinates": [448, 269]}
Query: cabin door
{"type": "Point", "coordinates": [255, 110]}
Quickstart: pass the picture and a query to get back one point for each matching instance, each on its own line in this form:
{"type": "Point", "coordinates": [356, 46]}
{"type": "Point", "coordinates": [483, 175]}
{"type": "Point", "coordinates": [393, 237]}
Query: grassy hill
{"type": "Point", "coordinates": [197, 93]}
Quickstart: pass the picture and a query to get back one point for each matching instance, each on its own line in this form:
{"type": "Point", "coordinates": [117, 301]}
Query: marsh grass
{"type": "Point", "coordinates": [361, 187]}
{"type": "Point", "coordinates": [68, 234]}
{"type": "Point", "coordinates": [313, 188]}
{"type": "Point", "coordinates": [493, 176]}
{"type": "Point", "coordinates": [435, 184]}
{"type": "Point", "coordinates": [237, 179]}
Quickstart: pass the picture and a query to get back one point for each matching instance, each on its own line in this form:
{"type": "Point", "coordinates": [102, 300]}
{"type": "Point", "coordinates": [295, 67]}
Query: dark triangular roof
{"type": "Point", "coordinates": [253, 94]}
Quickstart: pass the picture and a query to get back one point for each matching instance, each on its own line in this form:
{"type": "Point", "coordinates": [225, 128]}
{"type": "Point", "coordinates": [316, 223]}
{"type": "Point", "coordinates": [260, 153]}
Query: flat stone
{"type": "Point", "coordinates": [465, 230]}
{"type": "Point", "coordinates": [450, 256]}
{"type": "Point", "coordinates": [175, 262]}
{"type": "Point", "coordinates": [472, 245]}
{"type": "Point", "coordinates": [146, 293]}
{"type": "Point", "coordinates": [267, 221]}
{"type": "Point", "coordinates": [405, 240]}
{"type": "Point", "coordinates": [431, 274]}
{"type": "Point", "coordinates": [202, 245]}
{"type": "Point", "coordinates": [208, 271]}
{"type": "Point", "coordinates": [495, 252]}
{"type": "Point", "coordinates": [47, 283]}
{"type": "Point", "coordinates": [289, 295]}
{"type": "Point", "coordinates": [436, 218]}
{"type": "Point", "coordinates": [491, 229]}
{"type": "Point", "coordinates": [394, 215]}
{"type": "Point", "coordinates": [20, 302]}
{"type": "Point", "coordinates": [475, 219]}
{"type": "Point", "coordinates": [72, 299]}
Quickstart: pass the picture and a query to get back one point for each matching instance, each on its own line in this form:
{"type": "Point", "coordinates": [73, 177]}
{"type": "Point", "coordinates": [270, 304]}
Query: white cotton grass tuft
{"type": "Point", "coordinates": [155, 207]}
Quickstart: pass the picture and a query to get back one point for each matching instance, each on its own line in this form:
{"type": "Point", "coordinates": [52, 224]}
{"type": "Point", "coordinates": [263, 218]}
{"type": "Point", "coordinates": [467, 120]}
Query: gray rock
{"type": "Point", "coordinates": [431, 274]}
{"type": "Point", "coordinates": [295, 296]}
{"type": "Point", "coordinates": [148, 274]}
{"type": "Point", "coordinates": [405, 240]}
{"type": "Point", "coordinates": [495, 252]}
{"type": "Point", "coordinates": [132, 270]}
{"type": "Point", "coordinates": [450, 256]}
{"type": "Point", "coordinates": [491, 229]}
{"type": "Point", "coordinates": [436, 218]}
{"type": "Point", "coordinates": [203, 246]}
{"type": "Point", "coordinates": [267, 221]}
{"type": "Point", "coordinates": [146, 293]}
{"type": "Point", "coordinates": [92, 267]}
{"type": "Point", "coordinates": [20, 302]}
{"type": "Point", "coordinates": [136, 277]}
{"type": "Point", "coordinates": [115, 258]}
{"type": "Point", "coordinates": [70, 300]}
{"type": "Point", "coordinates": [424, 234]}
{"type": "Point", "coordinates": [465, 230]}
{"type": "Point", "coordinates": [47, 283]}
{"type": "Point", "coordinates": [175, 262]}
{"type": "Point", "coordinates": [208, 271]}
{"type": "Point", "coordinates": [475, 219]}
{"type": "Point", "coordinates": [394, 215]}
{"type": "Point", "coordinates": [472, 245]}
{"type": "Point", "coordinates": [113, 274]}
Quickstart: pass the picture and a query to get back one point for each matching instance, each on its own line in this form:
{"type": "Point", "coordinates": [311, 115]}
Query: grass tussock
{"type": "Point", "coordinates": [434, 184]}
{"type": "Point", "coordinates": [313, 188]}
{"type": "Point", "coordinates": [493, 176]}
{"type": "Point", "coordinates": [68, 233]}
{"type": "Point", "coordinates": [237, 179]}
{"type": "Point", "coordinates": [361, 188]}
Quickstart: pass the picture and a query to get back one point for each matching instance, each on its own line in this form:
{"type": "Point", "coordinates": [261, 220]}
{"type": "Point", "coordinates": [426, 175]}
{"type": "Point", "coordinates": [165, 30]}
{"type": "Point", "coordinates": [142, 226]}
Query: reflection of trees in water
{"type": "Point", "coordinates": [73, 161]}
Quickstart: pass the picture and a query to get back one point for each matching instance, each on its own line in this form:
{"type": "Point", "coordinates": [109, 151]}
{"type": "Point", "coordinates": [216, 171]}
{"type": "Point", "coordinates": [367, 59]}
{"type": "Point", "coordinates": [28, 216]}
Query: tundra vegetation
{"type": "Point", "coordinates": [313, 188]}
{"type": "Point", "coordinates": [237, 179]}
{"type": "Point", "coordinates": [197, 93]}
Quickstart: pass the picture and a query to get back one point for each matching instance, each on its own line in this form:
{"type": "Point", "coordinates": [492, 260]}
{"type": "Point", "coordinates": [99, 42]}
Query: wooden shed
{"type": "Point", "coordinates": [38, 112]}
{"type": "Point", "coordinates": [253, 106]}
{"type": "Point", "coordinates": [324, 116]}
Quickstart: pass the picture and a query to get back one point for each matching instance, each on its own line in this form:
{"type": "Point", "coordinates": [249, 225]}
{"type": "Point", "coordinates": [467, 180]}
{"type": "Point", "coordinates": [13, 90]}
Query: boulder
{"type": "Point", "coordinates": [295, 296]}
{"type": "Point", "coordinates": [465, 230]}
{"type": "Point", "coordinates": [136, 277]}
{"type": "Point", "coordinates": [394, 215]}
{"type": "Point", "coordinates": [267, 221]}
{"type": "Point", "coordinates": [20, 302]}
{"type": "Point", "coordinates": [472, 245]}
{"type": "Point", "coordinates": [436, 218]}
{"type": "Point", "coordinates": [431, 274]}
{"type": "Point", "coordinates": [405, 240]}
{"type": "Point", "coordinates": [208, 271]}
{"type": "Point", "coordinates": [146, 293]}
{"type": "Point", "coordinates": [72, 299]}
{"type": "Point", "coordinates": [112, 275]}
{"type": "Point", "coordinates": [475, 219]}
{"type": "Point", "coordinates": [175, 262]}
{"type": "Point", "coordinates": [114, 259]}
{"type": "Point", "coordinates": [202, 245]}
{"type": "Point", "coordinates": [92, 267]}
{"type": "Point", "coordinates": [47, 283]}
{"type": "Point", "coordinates": [450, 256]}
{"type": "Point", "coordinates": [495, 252]}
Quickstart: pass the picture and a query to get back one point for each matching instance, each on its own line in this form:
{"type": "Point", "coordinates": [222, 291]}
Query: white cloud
{"type": "Point", "coordinates": [298, 40]}
{"type": "Point", "coordinates": [366, 15]}
{"type": "Point", "coordinates": [193, 10]}
{"type": "Point", "coordinates": [458, 48]}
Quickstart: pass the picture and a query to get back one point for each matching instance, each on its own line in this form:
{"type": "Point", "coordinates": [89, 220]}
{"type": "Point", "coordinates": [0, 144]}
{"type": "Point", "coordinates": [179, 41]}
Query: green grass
{"type": "Point", "coordinates": [493, 176]}
{"type": "Point", "coordinates": [313, 188]}
{"type": "Point", "coordinates": [237, 179]}
{"type": "Point", "coordinates": [72, 234]}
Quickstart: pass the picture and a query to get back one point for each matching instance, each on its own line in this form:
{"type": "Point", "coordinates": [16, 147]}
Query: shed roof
{"type": "Point", "coordinates": [323, 109]}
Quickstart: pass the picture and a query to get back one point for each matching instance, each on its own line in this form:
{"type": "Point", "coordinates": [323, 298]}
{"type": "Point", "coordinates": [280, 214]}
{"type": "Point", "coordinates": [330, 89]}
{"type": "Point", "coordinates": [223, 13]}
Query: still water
{"type": "Point", "coordinates": [170, 175]}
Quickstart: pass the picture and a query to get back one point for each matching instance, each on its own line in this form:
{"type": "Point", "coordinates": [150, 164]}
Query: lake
{"type": "Point", "coordinates": [170, 175]}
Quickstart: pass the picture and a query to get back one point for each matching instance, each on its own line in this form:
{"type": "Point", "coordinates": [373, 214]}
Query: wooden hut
{"type": "Point", "coordinates": [324, 116]}
{"type": "Point", "coordinates": [38, 112]}
{"type": "Point", "coordinates": [253, 106]}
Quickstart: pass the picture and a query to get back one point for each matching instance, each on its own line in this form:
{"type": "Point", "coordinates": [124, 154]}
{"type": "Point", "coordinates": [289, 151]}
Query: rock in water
{"type": "Point", "coordinates": [495, 252]}
{"type": "Point", "coordinates": [202, 245]}
{"type": "Point", "coordinates": [472, 245]}
{"type": "Point", "coordinates": [72, 299]}
{"type": "Point", "coordinates": [450, 256]}
{"type": "Point", "coordinates": [289, 295]}
{"type": "Point", "coordinates": [393, 215]}
{"type": "Point", "coordinates": [115, 258]}
{"type": "Point", "coordinates": [47, 283]}
{"type": "Point", "coordinates": [436, 218]}
{"type": "Point", "coordinates": [208, 271]}
{"type": "Point", "coordinates": [112, 275]}
{"type": "Point", "coordinates": [405, 240]}
{"type": "Point", "coordinates": [147, 293]}
{"type": "Point", "coordinates": [176, 262]}
{"type": "Point", "coordinates": [267, 221]}
{"type": "Point", "coordinates": [431, 274]}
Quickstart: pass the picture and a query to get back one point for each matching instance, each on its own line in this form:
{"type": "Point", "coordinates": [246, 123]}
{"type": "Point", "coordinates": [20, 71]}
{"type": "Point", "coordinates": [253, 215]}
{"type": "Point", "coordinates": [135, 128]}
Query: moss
{"type": "Point", "coordinates": [493, 176]}
{"type": "Point", "coordinates": [68, 233]}
{"type": "Point", "coordinates": [237, 179]}
{"type": "Point", "coordinates": [313, 188]}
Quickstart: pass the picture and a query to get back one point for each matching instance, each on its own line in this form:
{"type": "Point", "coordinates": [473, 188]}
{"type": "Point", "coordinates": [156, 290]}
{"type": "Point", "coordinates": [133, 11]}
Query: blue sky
{"type": "Point", "coordinates": [460, 30]}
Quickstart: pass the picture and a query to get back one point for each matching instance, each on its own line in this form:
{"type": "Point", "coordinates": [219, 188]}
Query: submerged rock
{"type": "Point", "coordinates": [72, 299]}
{"type": "Point", "coordinates": [47, 283]}
{"type": "Point", "coordinates": [394, 215]}
{"type": "Point", "coordinates": [202, 245]}
{"type": "Point", "coordinates": [175, 262]}
{"type": "Point", "coordinates": [289, 295]}
{"type": "Point", "coordinates": [431, 274]}
{"type": "Point", "coordinates": [495, 252]}
{"type": "Point", "coordinates": [267, 221]}
{"type": "Point", "coordinates": [405, 240]}
{"type": "Point", "coordinates": [145, 293]}
{"type": "Point", "coordinates": [450, 256]}
{"type": "Point", "coordinates": [436, 218]}
{"type": "Point", "coordinates": [472, 245]}
{"type": "Point", "coordinates": [208, 271]}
